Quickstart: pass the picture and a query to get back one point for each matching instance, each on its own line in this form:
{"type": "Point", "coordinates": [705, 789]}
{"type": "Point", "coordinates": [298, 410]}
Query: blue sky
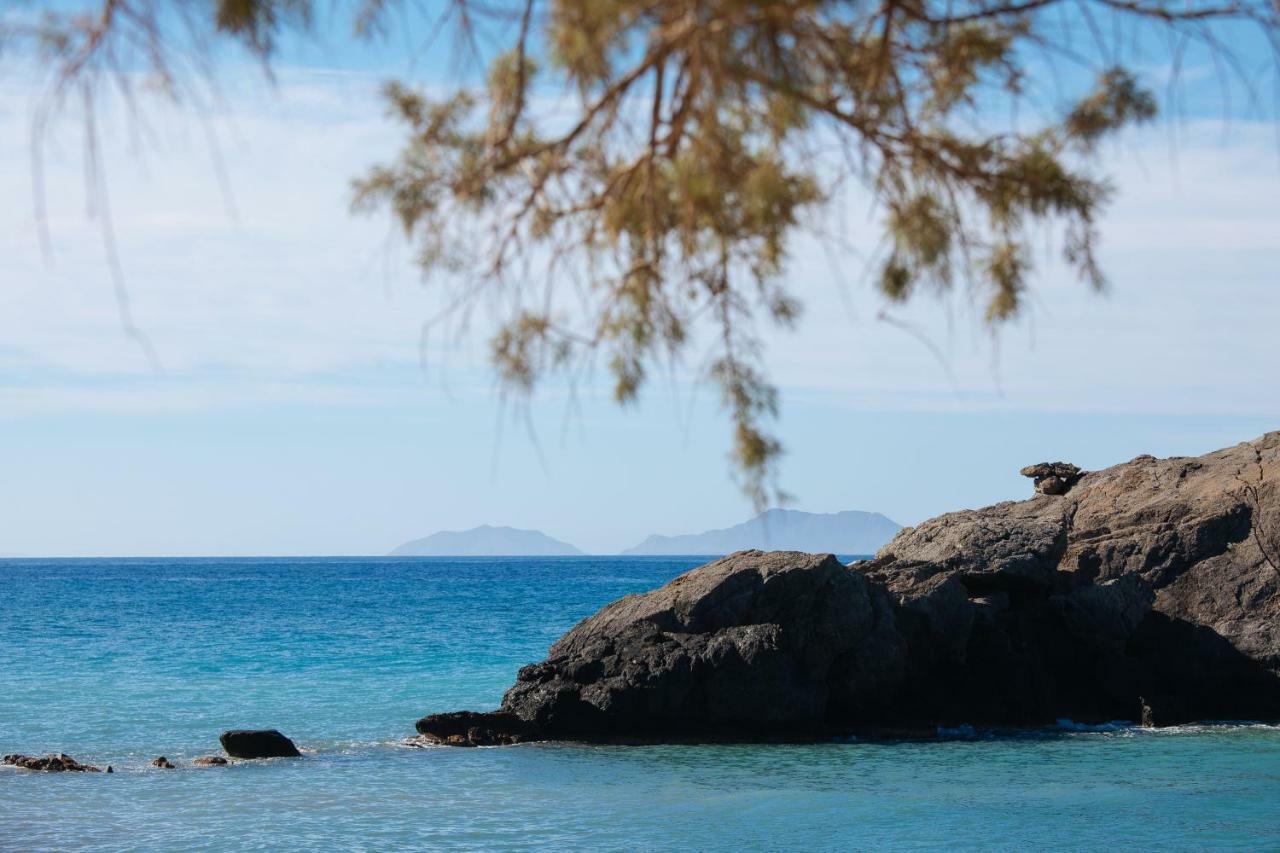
{"type": "Point", "coordinates": [295, 416]}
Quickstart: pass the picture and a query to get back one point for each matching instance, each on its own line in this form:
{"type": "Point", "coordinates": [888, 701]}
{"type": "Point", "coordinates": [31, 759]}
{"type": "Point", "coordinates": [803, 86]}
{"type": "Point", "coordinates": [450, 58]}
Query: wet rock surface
{"type": "Point", "coordinates": [1147, 591]}
{"type": "Point", "coordinates": [210, 761]}
{"type": "Point", "coordinates": [468, 728]}
{"type": "Point", "coordinates": [258, 743]}
{"type": "Point", "coordinates": [60, 763]}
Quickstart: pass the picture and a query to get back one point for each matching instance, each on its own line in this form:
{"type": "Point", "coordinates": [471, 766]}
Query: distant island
{"type": "Point", "coordinates": [486, 541]}
{"type": "Point", "coordinates": [851, 532]}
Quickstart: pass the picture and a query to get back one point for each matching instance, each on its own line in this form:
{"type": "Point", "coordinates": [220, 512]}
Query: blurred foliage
{"type": "Point", "coordinates": [655, 160]}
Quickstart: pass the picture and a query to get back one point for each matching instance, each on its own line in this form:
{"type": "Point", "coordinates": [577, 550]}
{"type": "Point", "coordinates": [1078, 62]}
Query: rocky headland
{"type": "Point", "coordinates": [1145, 592]}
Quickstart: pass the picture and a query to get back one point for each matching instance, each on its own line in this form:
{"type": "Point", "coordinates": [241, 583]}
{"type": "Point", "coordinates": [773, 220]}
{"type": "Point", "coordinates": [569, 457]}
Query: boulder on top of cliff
{"type": "Point", "coordinates": [1052, 478]}
{"type": "Point", "coordinates": [258, 743]}
{"type": "Point", "coordinates": [1150, 590]}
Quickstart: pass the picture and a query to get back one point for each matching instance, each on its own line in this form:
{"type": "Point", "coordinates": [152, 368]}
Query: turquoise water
{"type": "Point", "coordinates": [118, 661]}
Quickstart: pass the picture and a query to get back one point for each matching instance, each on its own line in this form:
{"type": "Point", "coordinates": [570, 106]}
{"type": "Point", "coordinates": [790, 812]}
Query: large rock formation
{"type": "Point", "coordinates": [1147, 591]}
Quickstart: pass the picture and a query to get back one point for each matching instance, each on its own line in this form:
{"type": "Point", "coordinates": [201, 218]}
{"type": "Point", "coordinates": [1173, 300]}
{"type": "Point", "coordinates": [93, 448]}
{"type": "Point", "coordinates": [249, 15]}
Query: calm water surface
{"type": "Point", "coordinates": [118, 661]}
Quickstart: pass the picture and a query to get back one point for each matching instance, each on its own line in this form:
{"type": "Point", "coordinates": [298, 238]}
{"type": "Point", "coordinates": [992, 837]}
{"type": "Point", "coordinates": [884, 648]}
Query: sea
{"type": "Point", "coordinates": [118, 661]}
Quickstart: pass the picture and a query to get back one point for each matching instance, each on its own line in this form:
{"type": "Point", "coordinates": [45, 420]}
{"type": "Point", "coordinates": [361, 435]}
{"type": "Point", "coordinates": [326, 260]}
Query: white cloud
{"type": "Point", "coordinates": [294, 287]}
{"type": "Point", "coordinates": [1190, 245]}
{"type": "Point", "coordinates": [293, 417]}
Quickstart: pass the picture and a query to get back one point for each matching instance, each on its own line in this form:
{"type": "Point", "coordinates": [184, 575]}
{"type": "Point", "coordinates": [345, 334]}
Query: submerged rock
{"type": "Point", "coordinates": [258, 743]}
{"type": "Point", "coordinates": [59, 763]}
{"type": "Point", "coordinates": [1148, 591]}
{"type": "Point", "coordinates": [210, 761]}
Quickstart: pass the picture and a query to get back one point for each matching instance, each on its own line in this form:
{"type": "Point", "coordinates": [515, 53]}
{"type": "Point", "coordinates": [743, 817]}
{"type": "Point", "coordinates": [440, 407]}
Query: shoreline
{"type": "Point", "coordinates": [1062, 729]}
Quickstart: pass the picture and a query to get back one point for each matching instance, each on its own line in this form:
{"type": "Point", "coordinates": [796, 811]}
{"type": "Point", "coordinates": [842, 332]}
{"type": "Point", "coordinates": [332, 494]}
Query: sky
{"type": "Point", "coordinates": [299, 409]}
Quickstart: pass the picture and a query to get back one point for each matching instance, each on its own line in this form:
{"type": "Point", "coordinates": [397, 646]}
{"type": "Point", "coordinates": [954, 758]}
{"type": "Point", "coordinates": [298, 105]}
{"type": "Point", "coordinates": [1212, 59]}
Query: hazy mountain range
{"type": "Point", "coordinates": [486, 541]}
{"type": "Point", "coordinates": [849, 533]}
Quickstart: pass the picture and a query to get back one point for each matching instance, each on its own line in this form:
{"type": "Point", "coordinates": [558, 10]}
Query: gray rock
{"type": "Point", "coordinates": [1148, 591]}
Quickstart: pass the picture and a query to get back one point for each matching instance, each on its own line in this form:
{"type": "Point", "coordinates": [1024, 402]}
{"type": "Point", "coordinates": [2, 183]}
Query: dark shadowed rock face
{"type": "Point", "coordinates": [252, 743]}
{"type": "Point", "coordinates": [468, 728]}
{"type": "Point", "coordinates": [1148, 591]}
{"type": "Point", "coordinates": [745, 646]}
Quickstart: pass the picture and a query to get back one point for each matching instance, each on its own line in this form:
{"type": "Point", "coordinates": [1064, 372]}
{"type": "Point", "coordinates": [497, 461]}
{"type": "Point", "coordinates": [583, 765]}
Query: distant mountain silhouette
{"type": "Point", "coordinates": [851, 532]}
{"type": "Point", "coordinates": [486, 541]}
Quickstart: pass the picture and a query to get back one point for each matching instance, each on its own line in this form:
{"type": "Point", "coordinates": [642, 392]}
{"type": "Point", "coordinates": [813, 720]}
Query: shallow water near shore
{"type": "Point", "coordinates": [119, 661]}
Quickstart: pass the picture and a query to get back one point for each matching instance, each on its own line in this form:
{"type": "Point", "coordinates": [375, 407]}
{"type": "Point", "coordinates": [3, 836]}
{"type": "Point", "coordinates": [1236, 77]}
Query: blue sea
{"type": "Point", "coordinates": [118, 661]}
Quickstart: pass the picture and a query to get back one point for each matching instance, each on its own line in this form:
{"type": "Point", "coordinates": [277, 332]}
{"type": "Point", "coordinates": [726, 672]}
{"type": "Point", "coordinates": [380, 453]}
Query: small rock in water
{"type": "Point", "coordinates": [210, 761]}
{"type": "Point", "coordinates": [1148, 720]}
{"type": "Point", "coordinates": [258, 743]}
{"type": "Point", "coordinates": [59, 763]}
{"type": "Point", "coordinates": [163, 763]}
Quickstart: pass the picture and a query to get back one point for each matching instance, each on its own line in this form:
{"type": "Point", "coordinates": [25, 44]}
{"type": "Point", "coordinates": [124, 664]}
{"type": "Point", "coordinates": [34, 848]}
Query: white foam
{"type": "Point", "coordinates": [961, 732]}
{"type": "Point", "coordinates": [1068, 725]}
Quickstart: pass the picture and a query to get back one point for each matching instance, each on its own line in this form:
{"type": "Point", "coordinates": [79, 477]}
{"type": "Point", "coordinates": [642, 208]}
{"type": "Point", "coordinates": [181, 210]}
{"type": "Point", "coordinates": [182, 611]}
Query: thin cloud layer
{"type": "Point", "coordinates": [269, 282]}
